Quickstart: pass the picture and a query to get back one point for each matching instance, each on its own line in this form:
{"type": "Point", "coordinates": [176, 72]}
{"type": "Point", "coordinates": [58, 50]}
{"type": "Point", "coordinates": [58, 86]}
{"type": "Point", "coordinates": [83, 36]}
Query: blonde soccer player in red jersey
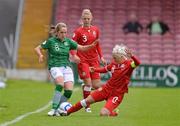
{"type": "Point", "coordinates": [85, 35]}
{"type": "Point", "coordinates": [122, 66]}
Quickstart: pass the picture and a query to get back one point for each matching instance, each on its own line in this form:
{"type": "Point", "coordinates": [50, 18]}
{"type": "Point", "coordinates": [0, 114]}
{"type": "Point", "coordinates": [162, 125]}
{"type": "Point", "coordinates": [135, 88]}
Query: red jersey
{"type": "Point", "coordinates": [121, 74]}
{"type": "Point", "coordinates": [86, 36]}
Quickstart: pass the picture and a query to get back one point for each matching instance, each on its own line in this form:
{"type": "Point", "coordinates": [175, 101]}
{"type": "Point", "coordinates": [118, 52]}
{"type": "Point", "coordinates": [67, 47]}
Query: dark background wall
{"type": "Point", "coordinates": [8, 20]}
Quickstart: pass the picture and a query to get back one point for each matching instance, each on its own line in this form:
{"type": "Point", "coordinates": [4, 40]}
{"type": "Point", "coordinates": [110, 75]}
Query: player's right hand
{"type": "Point", "coordinates": [91, 69]}
{"type": "Point", "coordinates": [95, 42]}
{"type": "Point", "coordinates": [76, 59]}
{"type": "Point", "coordinates": [41, 58]}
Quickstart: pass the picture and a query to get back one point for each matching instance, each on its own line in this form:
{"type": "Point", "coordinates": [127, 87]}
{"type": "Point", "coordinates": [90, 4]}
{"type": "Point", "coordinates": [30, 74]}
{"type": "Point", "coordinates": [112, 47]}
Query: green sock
{"type": "Point", "coordinates": [67, 94]}
{"type": "Point", "coordinates": [57, 97]}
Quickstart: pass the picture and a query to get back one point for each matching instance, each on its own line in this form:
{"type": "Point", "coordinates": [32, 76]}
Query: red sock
{"type": "Point", "coordinates": [75, 108]}
{"type": "Point", "coordinates": [86, 92]}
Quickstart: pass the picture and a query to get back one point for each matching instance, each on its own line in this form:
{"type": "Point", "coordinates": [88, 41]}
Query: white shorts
{"type": "Point", "coordinates": [65, 72]}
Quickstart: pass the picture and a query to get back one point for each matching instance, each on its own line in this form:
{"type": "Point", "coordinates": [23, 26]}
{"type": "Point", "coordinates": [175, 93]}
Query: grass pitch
{"type": "Point", "coordinates": [140, 107]}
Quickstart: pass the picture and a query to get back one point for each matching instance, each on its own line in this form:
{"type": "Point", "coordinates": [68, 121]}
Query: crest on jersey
{"type": "Point", "coordinates": [122, 66]}
{"type": "Point", "coordinates": [94, 33]}
{"type": "Point", "coordinates": [66, 43]}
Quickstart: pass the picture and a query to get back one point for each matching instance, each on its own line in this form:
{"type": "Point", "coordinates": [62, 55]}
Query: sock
{"type": "Point", "coordinates": [86, 92]}
{"type": "Point", "coordinates": [67, 94]}
{"type": "Point", "coordinates": [57, 97]}
{"type": "Point", "coordinates": [63, 99]}
{"type": "Point", "coordinates": [75, 108]}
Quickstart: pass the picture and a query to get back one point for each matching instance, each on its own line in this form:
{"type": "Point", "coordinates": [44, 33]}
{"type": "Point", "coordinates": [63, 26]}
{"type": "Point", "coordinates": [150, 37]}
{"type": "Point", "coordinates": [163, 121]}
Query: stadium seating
{"type": "Point", "coordinates": [36, 17]}
{"type": "Point", "coordinates": [110, 17]}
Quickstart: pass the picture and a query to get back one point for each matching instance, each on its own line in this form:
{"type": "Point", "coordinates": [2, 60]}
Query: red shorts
{"type": "Point", "coordinates": [112, 101]}
{"type": "Point", "coordinates": [83, 70]}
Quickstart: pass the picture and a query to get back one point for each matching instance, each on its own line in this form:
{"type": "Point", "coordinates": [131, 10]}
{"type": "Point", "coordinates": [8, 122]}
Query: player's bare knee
{"type": "Point", "coordinates": [89, 100]}
{"type": "Point", "coordinates": [96, 86]}
{"type": "Point", "coordinates": [96, 83]}
{"type": "Point", "coordinates": [104, 112]}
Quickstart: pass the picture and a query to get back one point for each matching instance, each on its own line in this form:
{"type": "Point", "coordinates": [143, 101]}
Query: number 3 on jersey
{"type": "Point", "coordinates": [84, 38]}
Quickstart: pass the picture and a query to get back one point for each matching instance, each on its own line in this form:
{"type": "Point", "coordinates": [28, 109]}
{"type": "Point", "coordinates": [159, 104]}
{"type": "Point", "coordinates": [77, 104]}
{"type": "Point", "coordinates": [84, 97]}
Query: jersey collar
{"type": "Point", "coordinates": [61, 40]}
{"type": "Point", "coordinates": [87, 27]}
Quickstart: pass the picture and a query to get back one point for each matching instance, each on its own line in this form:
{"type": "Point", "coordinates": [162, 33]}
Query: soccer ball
{"type": "Point", "coordinates": [65, 106]}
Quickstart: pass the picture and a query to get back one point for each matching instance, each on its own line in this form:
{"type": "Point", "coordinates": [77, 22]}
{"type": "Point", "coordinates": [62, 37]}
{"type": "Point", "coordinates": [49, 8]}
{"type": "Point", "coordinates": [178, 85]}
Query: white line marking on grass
{"type": "Point", "coordinates": [25, 115]}
{"type": "Point", "coordinates": [29, 113]}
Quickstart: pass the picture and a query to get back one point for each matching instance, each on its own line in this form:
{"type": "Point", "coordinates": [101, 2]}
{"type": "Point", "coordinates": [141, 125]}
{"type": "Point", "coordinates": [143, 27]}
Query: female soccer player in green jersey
{"type": "Point", "coordinates": [58, 48]}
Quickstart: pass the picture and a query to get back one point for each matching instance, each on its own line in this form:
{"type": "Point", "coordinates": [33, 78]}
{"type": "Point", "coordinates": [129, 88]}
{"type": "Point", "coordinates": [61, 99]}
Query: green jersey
{"type": "Point", "coordinates": [58, 51]}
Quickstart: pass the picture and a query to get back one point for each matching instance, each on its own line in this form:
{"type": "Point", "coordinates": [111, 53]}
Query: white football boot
{"type": "Point", "coordinates": [53, 112]}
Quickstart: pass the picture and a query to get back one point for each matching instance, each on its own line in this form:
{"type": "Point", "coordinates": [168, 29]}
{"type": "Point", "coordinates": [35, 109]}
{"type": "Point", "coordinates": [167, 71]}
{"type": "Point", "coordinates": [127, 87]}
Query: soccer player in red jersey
{"type": "Point", "coordinates": [113, 91]}
{"type": "Point", "coordinates": [85, 35]}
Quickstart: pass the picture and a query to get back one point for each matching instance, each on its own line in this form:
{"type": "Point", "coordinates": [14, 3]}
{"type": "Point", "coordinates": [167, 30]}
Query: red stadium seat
{"type": "Point", "coordinates": [143, 36]}
{"type": "Point", "coordinates": [157, 61]}
{"type": "Point", "coordinates": [169, 62]}
{"type": "Point", "coordinates": [177, 62]}
{"type": "Point", "coordinates": [110, 16]}
{"type": "Point", "coordinates": [143, 45]}
{"type": "Point", "coordinates": [156, 46]}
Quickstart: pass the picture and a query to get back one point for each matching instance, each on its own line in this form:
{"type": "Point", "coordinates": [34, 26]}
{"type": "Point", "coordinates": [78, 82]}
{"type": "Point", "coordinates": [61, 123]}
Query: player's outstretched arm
{"type": "Point", "coordinates": [101, 69]}
{"type": "Point", "coordinates": [87, 47]}
{"type": "Point", "coordinates": [100, 54]}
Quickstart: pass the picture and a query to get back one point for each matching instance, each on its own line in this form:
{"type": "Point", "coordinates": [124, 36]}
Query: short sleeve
{"type": "Point", "coordinates": [73, 45]}
{"type": "Point", "coordinates": [98, 32]}
{"type": "Point", "coordinates": [75, 36]}
{"type": "Point", "coordinates": [45, 44]}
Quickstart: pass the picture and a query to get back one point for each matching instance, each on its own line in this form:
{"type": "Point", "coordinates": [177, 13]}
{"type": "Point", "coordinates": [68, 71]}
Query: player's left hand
{"type": "Point", "coordinates": [129, 52]}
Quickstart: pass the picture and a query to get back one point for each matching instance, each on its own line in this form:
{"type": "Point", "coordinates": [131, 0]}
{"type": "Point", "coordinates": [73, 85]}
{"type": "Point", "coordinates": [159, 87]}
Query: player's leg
{"type": "Point", "coordinates": [83, 103]}
{"type": "Point", "coordinates": [68, 84]}
{"type": "Point", "coordinates": [111, 104]}
{"type": "Point", "coordinates": [96, 83]}
{"type": "Point", "coordinates": [84, 73]}
{"type": "Point", "coordinates": [86, 88]}
{"type": "Point", "coordinates": [59, 83]}
{"type": "Point", "coordinates": [96, 96]}
{"type": "Point", "coordinates": [95, 76]}
{"type": "Point", "coordinates": [68, 87]}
